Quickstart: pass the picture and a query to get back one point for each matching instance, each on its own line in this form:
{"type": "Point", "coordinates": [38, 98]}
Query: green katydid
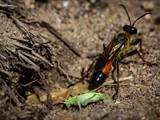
{"type": "Point", "coordinates": [86, 98]}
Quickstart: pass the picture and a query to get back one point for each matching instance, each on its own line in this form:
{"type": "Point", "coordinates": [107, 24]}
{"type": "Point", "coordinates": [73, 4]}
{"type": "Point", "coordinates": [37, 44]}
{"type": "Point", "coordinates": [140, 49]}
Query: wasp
{"type": "Point", "coordinates": [120, 47]}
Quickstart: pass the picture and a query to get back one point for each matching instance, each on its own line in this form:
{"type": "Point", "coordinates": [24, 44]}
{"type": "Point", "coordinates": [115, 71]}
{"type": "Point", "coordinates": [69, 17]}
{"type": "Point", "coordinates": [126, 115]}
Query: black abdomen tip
{"type": "Point", "coordinates": [98, 78]}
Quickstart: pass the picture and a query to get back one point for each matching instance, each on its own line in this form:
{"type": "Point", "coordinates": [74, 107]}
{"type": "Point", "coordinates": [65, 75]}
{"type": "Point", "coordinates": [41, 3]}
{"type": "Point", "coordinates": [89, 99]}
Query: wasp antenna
{"type": "Point", "coordinates": [126, 13]}
{"type": "Point", "coordinates": [140, 18]}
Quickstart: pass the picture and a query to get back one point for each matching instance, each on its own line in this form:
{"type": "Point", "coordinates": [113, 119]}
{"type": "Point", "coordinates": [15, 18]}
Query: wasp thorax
{"type": "Point", "coordinates": [130, 29]}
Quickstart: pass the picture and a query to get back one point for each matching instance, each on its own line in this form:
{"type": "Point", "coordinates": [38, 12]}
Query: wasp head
{"type": "Point", "coordinates": [130, 29]}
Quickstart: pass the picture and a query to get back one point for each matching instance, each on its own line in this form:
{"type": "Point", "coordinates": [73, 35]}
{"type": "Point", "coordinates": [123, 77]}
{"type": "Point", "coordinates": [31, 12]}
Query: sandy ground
{"type": "Point", "coordinates": [87, 26]}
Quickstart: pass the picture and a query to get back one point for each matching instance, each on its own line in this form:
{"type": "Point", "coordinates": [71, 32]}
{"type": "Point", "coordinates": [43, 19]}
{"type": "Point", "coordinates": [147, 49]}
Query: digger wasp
{"type": "Point", "coordinates": [120, 47]}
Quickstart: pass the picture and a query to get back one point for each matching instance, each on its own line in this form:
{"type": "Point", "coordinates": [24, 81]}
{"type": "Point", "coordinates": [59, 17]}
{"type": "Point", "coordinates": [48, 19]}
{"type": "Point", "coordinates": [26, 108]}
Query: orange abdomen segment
{"type": "Point", "coordinates": [107, 68]}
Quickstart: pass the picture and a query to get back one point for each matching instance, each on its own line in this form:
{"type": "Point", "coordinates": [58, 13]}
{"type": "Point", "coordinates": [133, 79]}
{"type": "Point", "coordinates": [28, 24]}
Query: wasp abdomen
{"type": "Point", "coordinates": [98, 78]}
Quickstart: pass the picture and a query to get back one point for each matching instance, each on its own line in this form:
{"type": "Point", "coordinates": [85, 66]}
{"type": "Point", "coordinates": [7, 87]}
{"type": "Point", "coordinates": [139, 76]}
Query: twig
{"type": "Point", "coordinates": [42, 58]}
{"type": "Point", "coordinates": [11, 94]}
{"type": "Point", "coordinates": [5, 73]}
{"type": "Point", "coordinates": [30, 56]}
{"type": "Point", "coordinates": [27, 84]}
{"type": "Point", "coordinates": [111, 82]}
{"type": "Point", "coordinates": [22, 46]}
{"type": "Point", "coordinates": [36, 67]}
{"type": "Point", "coordinates": [7, 6]}
{"type": "Point", "coordinates": [34, 53]}
{"type": "Point", "coordinates": [64, 72]}
{"type": "Point", "coordinates": [120, 79]}
{"type": "Point", "coordinates": [59, 36]}
{"type": "Point", "coordinates": [2, 57]}
{"type": "Point", "coordinates": [11, 51]}
{"type": "Point", "coordinates": [20, 40]}
{"type": "Point", "coordinates": [31, 67]}
{"type": "Point", "coordinates": [20, 25]}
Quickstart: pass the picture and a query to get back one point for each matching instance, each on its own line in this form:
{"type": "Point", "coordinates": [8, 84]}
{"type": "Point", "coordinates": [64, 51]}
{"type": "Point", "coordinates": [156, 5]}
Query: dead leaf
{"type": "Point", "coordinates": [32, 99]}
{"type": "Point", "coordinates": [59, 95]}
{"type": "Point", "coordinates": [77, 89]}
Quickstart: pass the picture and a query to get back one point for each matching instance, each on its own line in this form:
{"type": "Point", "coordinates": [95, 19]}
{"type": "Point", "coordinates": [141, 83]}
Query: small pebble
{"type": "Point", "coordinates": [32, 99]}
{"type": "Point", "coordinates": [2, 93]}
{"type": "Point", "coordinates": [147, 5]}
{"type": "Point", "coordinates": [29, 4]}
{"type": "Point", "coordinates": [117, 102]}
{"type": "Point", "coordinates": [66, 3]}
{"type": "Point", "coordinates": [157, 20]}
{"type": "Point", "coordinates": [43, 97]}
{"type": "Point", "coordinates": [148, 17]}
{"type": "Point", "coordinates": [93, 1]}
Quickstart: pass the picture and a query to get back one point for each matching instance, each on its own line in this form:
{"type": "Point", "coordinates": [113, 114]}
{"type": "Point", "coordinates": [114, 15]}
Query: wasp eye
{"type": "Point", "coordinates": [130, 29]}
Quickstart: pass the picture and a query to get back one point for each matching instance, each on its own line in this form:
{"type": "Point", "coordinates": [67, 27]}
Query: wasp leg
{"type": "Point", "coordinates": [116, 79]}
{"type": "Point", "coordinates": [130, 53]}
{"type": "Point", "coordinates": [117, 66]}
{"type": "Point", "coordinates": [135, 42]}
{"type": "Point", "coordinates": [104, 49]}
{"type": "Point", "coordinates": [86, 73]}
